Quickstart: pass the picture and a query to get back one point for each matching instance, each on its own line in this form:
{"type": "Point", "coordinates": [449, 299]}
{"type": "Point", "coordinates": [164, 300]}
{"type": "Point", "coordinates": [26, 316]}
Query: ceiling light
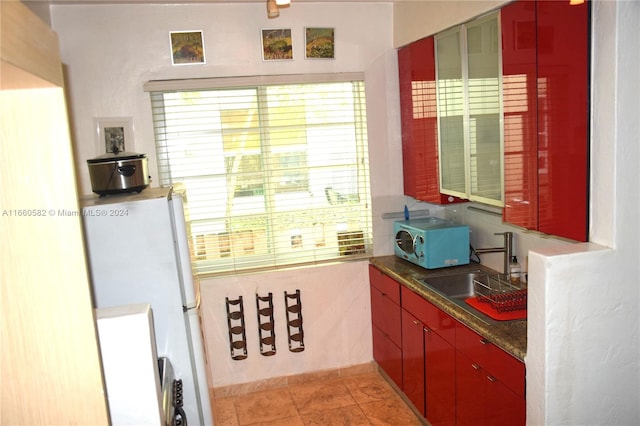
{"type": "Point", "coordinates": [575, 2]}
{"type": "Point", "coordinates": [272, 9]}
{"type": "Point", "coordinates": [283, 2]}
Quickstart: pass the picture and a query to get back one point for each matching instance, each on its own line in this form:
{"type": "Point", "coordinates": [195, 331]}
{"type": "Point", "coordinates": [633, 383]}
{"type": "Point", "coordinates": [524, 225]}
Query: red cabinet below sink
{"type": "Point", "coordinates": [451, 374]}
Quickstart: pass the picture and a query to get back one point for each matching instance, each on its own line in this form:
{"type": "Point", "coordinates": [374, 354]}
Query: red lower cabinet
{"type": "Point", "coordinates": [451, 374]}
{"type": "Point", "coordinates": [386, 324]}
{"type": "Point", "coordinates": [504, 407]}
{"type": "Point", "coordinates": [428, 359]}
{"type": "Point", "coordinates": [470, 387]}
{"type": "Point", "coordinates": [413, 360]}
{"type": "Point", "coordinates": [387, 355]}
{"type": "Point", "coordinates": [489, 383]}
{"type": "Point", "coordinates": [440, 373]}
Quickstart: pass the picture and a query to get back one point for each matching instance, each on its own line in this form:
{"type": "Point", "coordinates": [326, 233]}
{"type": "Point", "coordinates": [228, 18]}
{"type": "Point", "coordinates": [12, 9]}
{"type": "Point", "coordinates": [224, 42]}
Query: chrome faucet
{"type": "Point", "coordinates": [507, 249]}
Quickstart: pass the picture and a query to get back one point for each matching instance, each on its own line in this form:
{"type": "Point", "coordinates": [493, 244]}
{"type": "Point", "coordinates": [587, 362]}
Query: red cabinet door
{"type": "Point", "coordinates": [563, 112]}
{"type": "Point", "coordinates": [440, 379]}
{"type": "Point", "coordinates": [413, 364]}
{"type": "Point", "coordinates": [387, 355]}
{"type": "Point", "coordinates": [385, 308]}
{"type": "Point", "coordinates": [410, 141]}
{"type": "Point", "coordinates": [432, 382]}
{"type": "Point", "coordinates": [519, 86]}
{"type": "Point", "coordinates": [386, 324]}
{"type": "Point", "coordinates": [482, 399]}
{"type": "Point", "coordinates": [507, 369]}
{"type": "Point", "coordinates": [386, 316]}
{"type": "Point", "coordinates": [388, 286]}
{"type": "Point", "coordinates": [497, 377]}
{"type": "Point", "coordinates": [545, 66]}
{"type": "Point", "coordinates": [429, 315]}
{"type": "Point", "coordinates": [419, 121]}
{"type": "Point", "coordinates": [503, 406]}
{"type": "Point", "coordinates": [470, 392]}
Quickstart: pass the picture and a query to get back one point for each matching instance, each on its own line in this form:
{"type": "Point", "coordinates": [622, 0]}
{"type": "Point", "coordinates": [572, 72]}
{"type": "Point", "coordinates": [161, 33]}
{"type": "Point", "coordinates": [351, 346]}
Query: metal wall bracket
{"type": "Point", "coordinates": [265, 325]}
{"type": "Point", "coordinates": [237, 332]}
{"type": "Point", "coordinates": [294, 321]}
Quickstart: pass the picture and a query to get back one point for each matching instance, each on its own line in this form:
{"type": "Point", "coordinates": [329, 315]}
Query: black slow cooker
{"type": "Point", "coordinates": [120, 172]}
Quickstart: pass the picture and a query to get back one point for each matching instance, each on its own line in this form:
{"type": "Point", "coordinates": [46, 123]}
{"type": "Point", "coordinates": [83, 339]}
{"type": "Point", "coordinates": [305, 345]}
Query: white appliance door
{"type": "Point", "coordinates": [130, 364]}
{"type": "Point", "coordinates": [191, 304]}
{"type": "Point", "coordinates": [198, 360]}
{"type": "Point", "coordinates": [190, 287]}
{"type": "Point", "coordinates": [133, 259]}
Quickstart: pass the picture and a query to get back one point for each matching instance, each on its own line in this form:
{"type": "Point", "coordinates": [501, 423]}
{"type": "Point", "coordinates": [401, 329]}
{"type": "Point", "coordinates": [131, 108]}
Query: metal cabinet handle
{"type": "Point", "coordinates": [491, 378]}
{"type": "Point", "coordinates": [476, 366]}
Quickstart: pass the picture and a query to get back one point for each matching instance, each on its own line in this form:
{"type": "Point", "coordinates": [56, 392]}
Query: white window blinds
{"type": "Point", "coordinates": [276, 173]}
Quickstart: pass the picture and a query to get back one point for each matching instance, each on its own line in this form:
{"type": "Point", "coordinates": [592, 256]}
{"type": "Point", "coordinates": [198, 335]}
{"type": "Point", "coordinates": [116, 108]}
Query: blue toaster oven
{"type": "Point", "coordinates": [432, 242]}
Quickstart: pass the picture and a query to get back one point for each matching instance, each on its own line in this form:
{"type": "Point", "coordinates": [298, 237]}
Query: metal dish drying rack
{"type": "Point", "coordinates": [501, 293]}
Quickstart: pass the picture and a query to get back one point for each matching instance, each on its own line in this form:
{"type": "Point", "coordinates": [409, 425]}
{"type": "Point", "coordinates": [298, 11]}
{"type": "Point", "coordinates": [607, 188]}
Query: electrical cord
{"type": "Point", "coordinates": [472, 254]}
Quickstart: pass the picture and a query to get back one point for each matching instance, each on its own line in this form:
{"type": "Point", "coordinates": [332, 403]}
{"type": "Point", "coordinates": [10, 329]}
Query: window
{"type": "Point", "coordinates": [276, 173]}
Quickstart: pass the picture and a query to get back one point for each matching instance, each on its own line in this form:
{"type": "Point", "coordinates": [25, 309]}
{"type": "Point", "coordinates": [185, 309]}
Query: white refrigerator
{"type": "Point", "coordinates": [138, 251]}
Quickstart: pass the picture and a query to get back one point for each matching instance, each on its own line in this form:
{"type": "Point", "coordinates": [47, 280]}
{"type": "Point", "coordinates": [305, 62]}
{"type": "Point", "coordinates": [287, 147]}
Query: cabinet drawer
{"type": "Point", "coordinates": [494, 360]}
{"type": "Point", "coordinates": [429, 315]}
{"type": "Point", "coordinates": [387, 285]}
{"type": "Point", "coordinates": [386, 315]}
{"type": "Point", "coordinates": [388, 355]}
{"type": "Point", "coordinates": [472, 345]}
{"type": "Point", "coordinates": [507, 369]}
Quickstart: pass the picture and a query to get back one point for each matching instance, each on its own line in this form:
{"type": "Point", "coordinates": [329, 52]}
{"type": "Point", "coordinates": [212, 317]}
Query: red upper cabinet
{"type": "Point", "coordinates": [545, 65]}
{"type": "Point", "coordinates": [563, 114]}
{"type": "Point", "coordinates": [545, 85]}
{"type": "Point", "coordinates": [519, 88]}
{"type": "Point", "coordinates": [419, 121]}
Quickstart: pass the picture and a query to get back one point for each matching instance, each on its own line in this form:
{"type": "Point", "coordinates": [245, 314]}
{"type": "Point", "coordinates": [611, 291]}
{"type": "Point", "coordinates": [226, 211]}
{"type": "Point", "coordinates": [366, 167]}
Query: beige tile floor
{"type": "Point", "coordinates": [364, 399]}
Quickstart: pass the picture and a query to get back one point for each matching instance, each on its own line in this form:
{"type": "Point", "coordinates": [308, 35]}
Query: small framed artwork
{"type": "Point", "coordinates": [277, 44]}
{"type": "Point", "coordinates": [319, 43]}
{"type": "Point", "coordinates": [187, 47]}
{"type": "Point", "coordinates": [114, 135]}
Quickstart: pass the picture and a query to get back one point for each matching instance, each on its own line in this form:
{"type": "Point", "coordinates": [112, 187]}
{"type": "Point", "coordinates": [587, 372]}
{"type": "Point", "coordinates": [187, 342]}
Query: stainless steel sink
{"type": "Point", "coordinates": [459, 286]}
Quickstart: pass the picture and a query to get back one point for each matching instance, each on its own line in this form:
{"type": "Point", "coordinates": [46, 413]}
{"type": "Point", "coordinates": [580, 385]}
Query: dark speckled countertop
{"type": "Point", "coordinates": [511, 336]}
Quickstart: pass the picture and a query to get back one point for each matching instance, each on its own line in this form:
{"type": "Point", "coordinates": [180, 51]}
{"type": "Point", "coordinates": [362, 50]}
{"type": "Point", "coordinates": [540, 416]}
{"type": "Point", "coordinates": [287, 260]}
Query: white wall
{"type": "Point", "coordinates": [336, 321]}
{"type": "Point", "coordinates": [414, 20]}
{"type": "Point", "coordinates": [111, 50]}
{"type": "Point", "coordinates": [40, 9]}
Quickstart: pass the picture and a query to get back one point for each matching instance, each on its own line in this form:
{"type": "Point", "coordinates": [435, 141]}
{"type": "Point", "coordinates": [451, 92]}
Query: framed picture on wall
{"type": "Point", "coordinates": [277, 44]}
{"type": "Point", "coordinates": [319, 43]}
{"type": "Point", "coordinates": [114, 135]}
{"type": "Point", "coordinates": [187, 47]}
